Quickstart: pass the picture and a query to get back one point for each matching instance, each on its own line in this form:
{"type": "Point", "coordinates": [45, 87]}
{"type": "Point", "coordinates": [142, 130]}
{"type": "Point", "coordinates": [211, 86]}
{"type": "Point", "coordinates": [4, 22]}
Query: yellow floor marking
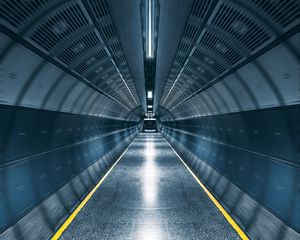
{"type": "Point", "coordinates": [214, 200]}
{"type": "Point", "coordinates": [65, 225]}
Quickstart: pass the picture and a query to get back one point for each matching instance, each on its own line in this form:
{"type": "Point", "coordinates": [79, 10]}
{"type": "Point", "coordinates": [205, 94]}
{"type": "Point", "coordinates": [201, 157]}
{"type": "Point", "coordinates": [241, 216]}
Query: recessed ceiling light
{"type": "Point", "coordinates": [149, 36]}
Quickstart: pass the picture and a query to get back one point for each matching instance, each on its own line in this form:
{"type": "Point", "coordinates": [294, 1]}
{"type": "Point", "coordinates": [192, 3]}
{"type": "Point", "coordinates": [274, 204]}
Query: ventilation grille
{"type": "Point", "coordinates": [17, 12]}
{"type": "Point", "coordinates": [220, 47]}
{"type": "Point", "coordinates": [240, 27]}
{"type": "Point", "coordinates": [200, 9]}
{"type": "Point", "coordinates": [282, 12]}
{"type": "Point", "coordinates": [201, 71]}
{"type": "Point", "coordinates": [209, 61]}
{"type": "Point", "coordinates": [193, 77]}
{"type": "Point", "coordinates": [59, 27]}
{"type": "Point", "coordinates": [190, 35]}
{"type": "Point", "coordinates": [79, 47]}
{"type": "Point", "coordinates": [98, 69]}
{"type": "Point", "coordinates": [231, 33]}
{"type": "Point", "coordinates": [80, 34]}
{"type": "Point", "coordinates": [97, 8]}
{"type": "Point", "coordinates": [98, 11]}
{"type": "Point", "coordinates": [89, 60]}
{"type": "Point", "coordinates": [107, 74]}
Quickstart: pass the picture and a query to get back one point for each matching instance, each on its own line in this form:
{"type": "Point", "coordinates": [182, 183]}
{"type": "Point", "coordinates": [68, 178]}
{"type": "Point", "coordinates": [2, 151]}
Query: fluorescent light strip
{"type": "Point", "coordinates": [150, 29]}
{"type": "Point", "coordinates": [149, 8]}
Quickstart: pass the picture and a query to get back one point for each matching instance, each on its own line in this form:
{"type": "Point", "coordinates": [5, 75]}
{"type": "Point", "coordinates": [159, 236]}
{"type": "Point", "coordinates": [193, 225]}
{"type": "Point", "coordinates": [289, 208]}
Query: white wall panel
{"type": "Point", "coordinates": [95, 104]}
{"type": "Point", "coordinates": [213, 108]}
{"type": "Point", "coordinates": [83, 98]}
{"type": "Point", "coordinates": [58, 95]}
{"type": "Point", "coordinates": [227, 96]}
{"type": "Point", "coordinates": [17, 68]}
{"type": "Point", "coordinates": [236, 86]}
{"type": "Point", "coordinates": [73, 95]}
{"type": "Point", "coordinates": [40, 86]}
{"type": "Point", "coordinates": [283, 69]}
{"type": "Point", "coordinates": [258, 86]}
{"type": "Point", "coordinates": [88, 104]}
{"type": "Point", "coordinates": [218, 99]}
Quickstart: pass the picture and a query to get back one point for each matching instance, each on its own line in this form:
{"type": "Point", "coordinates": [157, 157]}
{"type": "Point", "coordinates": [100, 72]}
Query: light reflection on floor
{"type": "Point", "coordinates": [149, 196]}
{"type": "Point", "coordinates": [149, 232]}
{"type": "Point", "coordinates": [150, 176]}
{"type": "Point", "coordinates": [150, 184]}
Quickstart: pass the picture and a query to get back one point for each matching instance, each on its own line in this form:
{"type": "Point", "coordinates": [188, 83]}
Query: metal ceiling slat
{"type": "Point", "coordinates": [242, 33]}
{"type": "Point", "coordinates": [60, 20]}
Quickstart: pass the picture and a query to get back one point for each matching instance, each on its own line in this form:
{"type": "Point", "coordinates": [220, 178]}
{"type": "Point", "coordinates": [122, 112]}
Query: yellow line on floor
{"type": "Point", "coordinates": [214, 200]}
{"type": "Point", "coordinates": [65, 225]}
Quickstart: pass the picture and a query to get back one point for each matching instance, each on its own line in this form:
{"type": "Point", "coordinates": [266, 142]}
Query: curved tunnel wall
{"type": "Point", "coordinates": [44, 153]}
{"type": "Point", "coordinates": [59, 131]}
{"type": "Point", "coordinates": [241, 137]}
{"type": "Point", "coordinates": [54, 146]}
{"type": "Point", "coordinates": [49, 161]}
{"type": "Point", "coordinates": [69, 107]}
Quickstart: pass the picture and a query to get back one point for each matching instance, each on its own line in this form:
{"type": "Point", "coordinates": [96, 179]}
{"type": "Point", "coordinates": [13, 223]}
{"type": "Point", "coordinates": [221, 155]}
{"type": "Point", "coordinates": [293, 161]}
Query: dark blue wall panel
{"type": "Point", "coordinates": [257, 150]}
{"type": "Point", "coordinates": [43, 150]}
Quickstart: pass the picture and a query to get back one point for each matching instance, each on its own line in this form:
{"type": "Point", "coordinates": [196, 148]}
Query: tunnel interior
{"type": "Point", "coordinates": [82, 80]}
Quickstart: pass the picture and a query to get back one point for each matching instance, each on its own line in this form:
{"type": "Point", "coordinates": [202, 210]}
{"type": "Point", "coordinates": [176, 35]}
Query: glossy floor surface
{"type": "Point", "coordinates": [150, 195]}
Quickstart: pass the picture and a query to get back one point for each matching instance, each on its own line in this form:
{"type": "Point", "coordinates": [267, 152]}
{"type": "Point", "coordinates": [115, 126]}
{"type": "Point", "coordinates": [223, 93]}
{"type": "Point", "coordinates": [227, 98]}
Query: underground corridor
{"type": "Point", "coordinates": [149, 119]}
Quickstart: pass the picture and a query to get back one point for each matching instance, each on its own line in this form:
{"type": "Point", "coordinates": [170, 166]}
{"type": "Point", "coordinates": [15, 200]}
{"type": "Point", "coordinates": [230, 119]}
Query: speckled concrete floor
{"type": "Point", "coordinates": [149, 195]}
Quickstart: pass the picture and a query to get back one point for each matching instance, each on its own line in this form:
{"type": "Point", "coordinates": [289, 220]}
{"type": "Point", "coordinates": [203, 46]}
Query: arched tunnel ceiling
{"type": "Point", "coordinates": [221, 37]}
{"type": "Point", "coordinates": [90, 52]}
{"type": "Point", "coordinates": [79, 38]}
{"type": "Point", "coordinates": [227, 98]}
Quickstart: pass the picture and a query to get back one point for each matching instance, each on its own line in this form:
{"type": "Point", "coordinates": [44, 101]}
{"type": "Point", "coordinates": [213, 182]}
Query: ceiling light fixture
{"type": "Point", "coordinates": [149, 28]}
{"type": "Point", "coordinates": [149, 94]}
